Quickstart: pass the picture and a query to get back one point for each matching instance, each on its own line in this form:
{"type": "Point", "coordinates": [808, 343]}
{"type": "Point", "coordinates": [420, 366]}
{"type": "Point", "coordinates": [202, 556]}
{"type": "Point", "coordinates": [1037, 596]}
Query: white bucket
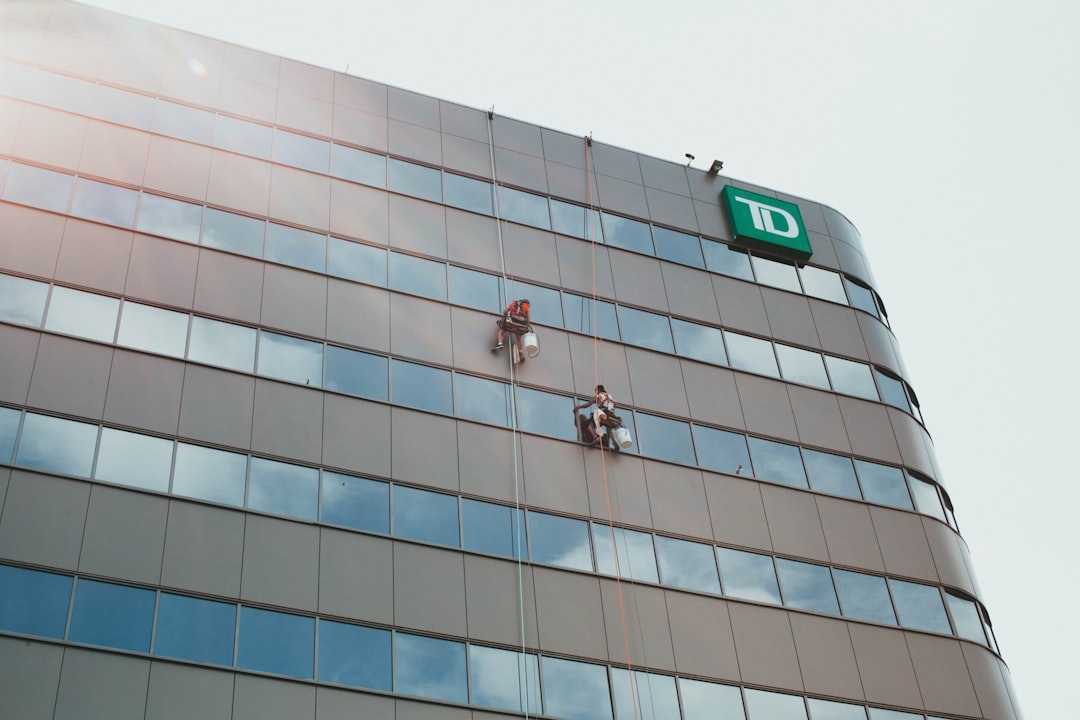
{"type": "Point", "coordinates": [531, 344]}
{"type": "Point", "coordinates": [622, 436]}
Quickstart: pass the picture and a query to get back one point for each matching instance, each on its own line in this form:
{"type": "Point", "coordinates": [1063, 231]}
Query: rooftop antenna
{"type": "Point", "coordinates": [689, 159]}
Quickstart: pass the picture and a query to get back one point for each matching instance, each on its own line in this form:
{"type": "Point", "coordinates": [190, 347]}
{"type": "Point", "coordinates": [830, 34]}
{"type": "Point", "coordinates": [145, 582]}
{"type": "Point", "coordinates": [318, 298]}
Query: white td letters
{"type": "Point", "coordinates": [762, 215]}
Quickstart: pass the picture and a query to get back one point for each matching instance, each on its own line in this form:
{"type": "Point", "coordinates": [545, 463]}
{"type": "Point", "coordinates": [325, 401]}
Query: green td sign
{"type": "Point", "coordinates": [766, 223]}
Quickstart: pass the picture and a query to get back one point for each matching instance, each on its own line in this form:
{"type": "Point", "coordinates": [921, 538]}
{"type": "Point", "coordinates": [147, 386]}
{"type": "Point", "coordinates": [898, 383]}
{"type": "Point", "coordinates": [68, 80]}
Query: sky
{"type": "Point", "coordinates": [945, 131]}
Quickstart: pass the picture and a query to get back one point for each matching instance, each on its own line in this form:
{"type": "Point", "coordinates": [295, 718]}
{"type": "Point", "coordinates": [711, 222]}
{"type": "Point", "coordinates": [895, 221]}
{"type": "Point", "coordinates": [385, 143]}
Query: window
{"type": "Point", "coordinates": [965, 617]}
{"type": "Point", "coordinates": [420, 386]}
{"type": "Point", "coordinates": [545, 413]}
{"type": "Point", "coordinates": [295, 247]}
{"type": "Point", "coordinates": [802, 366]}
{"type": "Point", "coordinates": [209, 474]}
{"type": "Point", "coordinates": [357, 373]}
{"type": "Point", "coordinates": [104, 203]}
{"type": "Point", "coordinates": [355, 502]}
{"type": "Point", "coordinates": [169, 218]}
{"type": "Point", "coordinates": [627, 234]}
{"type": "Point", "coordinates": [545, 303]}
{"type": "Point", "coordinates": [135, 460]}
{"type": "Point", "coordinates": [665, 439]}
{"type": "Point", "coordinates": [559, 541]}
{"type": "Point", "coordinates": [776, 274]}
{"type": "Point", "coordinates": [748, 575]}
{"type": "Point", "coordinates": [851, 377]}
{"type": "Point", "coordinates": [764, 705]}
{"type": "Point", "coordinates": [37, 187]}
{"type": "Point", "coordinates": [284, 489]}
{"type": "Point", "coordinates": [194, 629]}
{"type": "Point", "coordinates": [645, 329]}
{"type": "Point", "coordinates": [152, 329]}
{"type": "Point", "coordinates": [575, 220]}
{"type": "Point", "coordinates": [687, 564]}
{"type": "Point", "coordinates": [358, 262]}
{"type": "Point", "coordinates": [504, 680]}
{"type": "Point", "coordinates": [301, 151]}
{"type": "Point", "coordinates": [699, 342]}
{"type": "Point", "coordinates": [490, 528]}
{"type": "Point", "coordinates": [919, 606]}
{"type": "Point", "coordinates": [232, 232]}
{"type": "Point", "coordinates": [425, 516]}
{"type": "Point", "coordinates": [83, 314]}
{"type": "Point", "coordinates": [726, 260]}
{"type": "Point", "coordinates": [125, 108]}
{"type": "Point", "coordinates": [418, 276]}
{"type": "Point", "coordinates": [722, 451]}
{"type": "Point", "coordinates": [751, 354]}
{"type": "Point", "coordinates": [777, 462]}
{"type": "Point", "coordinates": [430, 667]}
{"type": "Point", "coordinates": [359, 166]}
{"type": "Point", "coordinates": [415, 180]}
{"type": "Point", "coordinates": [707, 701]}
{"type": "Point", "coordinates": [807, 586]}
{"type": "Point", "coordinates": [823, 284]}
{"type": "Point", "coordinates": [289, 358]}
{"type": "Point", "coordinates": [833, 474]}
{"type": "Point", "coordinates": [587, 316]}
{"type": "Point", "coordinates": [482, 400]}
{"type": "Point", "coordinates": [653, 696]}
{"type": "Point", "coordinates": [277, 643]}
{"type": "Point", "coordinates": [222, 344]}
{"type": "Point", "coordinates": [892, 390]}
{"type": "Point", "coordinates": [467, 193]}
{"type": "Point", "coordinates": [678, 247]}
{"type": "Point", "coordinates": [476, 290]}
{"type": "Point", "coordinates": [112, 616]}
{"type": "Point", "coordinates": [926, 497]}
{"type": "Point", "coordinates": [181, 121]}
{"type": "Point", "coordinates": [9, 428]}
{"type": "Point", "coordinates": [634, 550]}
{"type": "Point", "coordinates": [883, 484]}
{"type": "Point", "coordinates": [829, 710]}
{"type": "Point", "coordinates": [524, 208]}
{"type": "Point", "coordinates": [22, 301]}
{"type": "Point", "coordinates": [861, 297]}
{"type": "Point", "coordinates": [240, 136]}
{"type": "Point", "coordinates": [58, 446]}
{"type": "Point", "coordinates": [864, 597]}
{"type": "Point", "coordinates": [33, 602]}
{"type": "Point", "coordinates": [575, 690]}
{"type": "Point", "coordinates": [354, 655]}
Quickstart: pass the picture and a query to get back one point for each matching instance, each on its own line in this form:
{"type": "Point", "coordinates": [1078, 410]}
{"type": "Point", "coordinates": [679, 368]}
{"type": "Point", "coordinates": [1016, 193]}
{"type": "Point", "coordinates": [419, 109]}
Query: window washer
{"type": "Point", "coordinates": [597, 430]}
{"type": "Point", "coordinates": [517, 321]}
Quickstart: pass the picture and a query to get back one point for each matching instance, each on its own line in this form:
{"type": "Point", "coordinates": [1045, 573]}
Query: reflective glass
{"type": "Point", "coordinates": [113, 616]}
{"type": "Point", "coordinates": [358, 262]}
{"type": "Point", "coordinates": [636, 558]}
{"type": "Point", "coordinates": [194, 629]}
{"type": "Point", "coordinates": [584, 315]}
{"type": "Point", "coordinates": [575, 221]}
{"type": "Point", "coordinates": [861, 297]}
{"type": "Point", "coordinates": [153, 329]}
{"type": "Point", "coordinates": [504, 679]}
{"type": "Point", "coordinates": [806, 586]}
{"type": "Point", "coordinates": [418, 276]}
{"type": "Point", "coordinates": [296, 247]}
{"type": "Point", "coordinates": [354, 655]}
{"type": "Point", "coordinates": [545, 303]}
{"type": "Point", "coordinates": [359, 166]}
{"type": "Point", "coordinates": [232, 232]}
{"type": "Point", "coordinates": [58, 446]}
{"type": "Point", "coordinates": [9, 428]}
{"type": "Point", "coordinates": [926, 498]}
{"type": "Point", "coordinates": [430, 667]}
{"type": "Point", "coordinates": [276, 643]}
{"type": "Point", "coordinates": [83, 314]}
{"type": "Point", "coordinates": [241, 136]}
{"type": "Point", "coordinates": [802, 366]}
{"type": "Point", "coordinates": [546, 413]}
{"type": "Point", "coordinates": [678, 247]}
{"type": "Point", "coordinates": [575, 690]}
{"type": "Point", "coordinates": [892, 390]}
{"type": "Point", "coordinates": [45, 189]}
{"type": "Point", "coordinates": [467, 193]}
{"type": "Point", "coordinates": [777, 462]}
{"type": "Point", "coordinates": [851, 377]}
{"type": "Point", "coordinates": [833, 474]}
{"type": "Point", "coordinates": [415, 180]}
{"type": "Point", "coordinates": [33, 602]}
{"type": "Point", "coordinates": [427, 516]}
{"type": "Point", "coordinates": [524, 208]}
{"type": "Point", "coordinates": [135, 460]}
{"type": "Point", "coordinates": [882, 714]}
{"type": "Point", "coordinates": [864, 597]}
{"type": "Point", "coordinates": [477, 290]}
{"type": "Point", "coordinates": [22, 301]}
{"type": "Point", "coordinates": [699, 342]}
{"type": "Point", "coordinates": [764, 705]}
{"type": "Point", "coordinates": [722, 451]}
{"type": "Point", "coordinates": [104, 203]}
{"type": "Point", "coordinates": [357, 373]}
{"type": "Point", "coordinates": [223, 344]}
{"type": "Point", "coordinates": [751, 354]}
{"type": "Point", "coordinates": [489, 528]}
{"type": "Point", "coordinates": [653, 696]}
{"type": "Point", "coordinates": [709, 701]}
{"type": "Point", "coordinates": [125, 108]}
{"type": "Point", "coordinates": [59, 91]}
{"type": "Point", "coordinates": [169, 218]}
{"type": "Point", "coordinates": [301, 151]}
{"type": "Point", "coordinates": [829, 710]}
{"type": "Point", "coordinates": [355, 502]}
{"type": "Point", "coordinates": [919, 606]}
{"type": "Point", "coordinates": [645, 329]}
{"type": "Point", "coordinates": [284, 489]}
{"type": "Point", "coordinates": [665, 439]}
{"type": "Point", "coordinates": [965, 618]}
{"type": "Point", "coordinates": [883, 484]}
{"type": "Point", "coordinates": [209, 474]}
{"type": "Point", "coordinates": [824, 284]}
{"type": "Point", "coordinates": [776, 274]}
{"type": "Point", "coordinates": [181, 121]}
{"type": "Point", "coordinates": [748, 575]}
{"type": "Point", "coordinates": [627, 234]}
{"type": "Point", "coordinates": [559, 541]}
{"type": "Point", "coordinates": [726, 260]}
{"type": "Point", "coordinates": [290, 358]}
{"type": "Point", "coordinates": [686, 564]}
{"type": "Point", "coordinates": [420, 386]}
{"type": "Point", "coordinates": [482, 400]}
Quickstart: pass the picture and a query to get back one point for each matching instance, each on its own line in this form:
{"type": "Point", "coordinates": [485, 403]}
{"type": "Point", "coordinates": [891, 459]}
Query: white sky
{"type": "Point", "coordinates": [946, 131]}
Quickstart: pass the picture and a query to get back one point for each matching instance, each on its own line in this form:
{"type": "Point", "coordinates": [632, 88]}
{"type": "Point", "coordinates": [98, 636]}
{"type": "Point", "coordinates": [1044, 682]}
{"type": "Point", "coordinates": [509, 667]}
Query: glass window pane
{"type": "Point", "coordinates": [418, 276]}
{"type": "Point", "coordinates": [426, 516]}
{"type": "Point", "coordinates": [653, 696]}
{"type": "Point", "coordinates": [546, 413]}
{"type": "Point", "coordinates": [926, 498]}
{"type": "Point", "coordinates": [830, 473]}
{"type": "Point", "coordinates": [919, 606]}
{"type": "Point", "coordinates": [882, 714]}
{"type": "Point", "coordinates": [467, 193]}
{"type": "Point", "coordinates": [420, 386]}
{"type": "Point", "coordinates": [430, 667]}
{"type": "Point", "coordinates": [699, 342]}
{"type": "Point", "coordinates": [883, 484]}
{"type": "Point", "coordinates": [524, 208]}
{"type": "Point", "coordinates": [58, 446]}
{"type": "Point", "coordinates": [504, 680]}
{"type": "Point", "coordinates": [776, 274]}
{"type": "Point", "coordinates": [223, 344]}
{"type": "Point", "coordinates": [892, 391]}
{"type": "Point", "coordinates": [665, 439]}
{"type": "Point", "coordinates": [276, 643]}
{"type": "Point", "coordinates": [475, 289]}
{"type": "Point", "coordinates": [678, 247]}
{"type": "Point", "coordinates": [123, 107]}
{"type": "Point", "coordinates": [358, 166]}
{"type": "Point", "coordinates": [636, 558]}
{"type": "Point", "coordinates": [232, 232]}
{"type": "Point", "coordinates": [482, 400]}
{"type": "Point", "coordinates": [356, 502]}
{"type": "Point", "coordinates": [289, 358]}
{"type": "Point", "coordinates": [135, 460]}
{"type": "Point", "coordinates": [726, 260]}
{"type": "Point", "coordinates": [545, 304]}
{"type": "Point", "coordinates": [751, 354]}
{"type": "Point", "coordinates": [806, 586]}
{"type": "Point", "coordinates": [489, 528]}
{"type": "Point", "coordinates": [301, 151]}
{"type": "Point", "coordinates": [748, 575]}
{"type": "Point", "coordinates": [181, 121]}
{"type": "Point", "coordinates": [575, 690]}
{"type": "Point", "coordinates": [559, 541]}
{"type": "Point", "coordinates": [864, 597]}
{"type": "Point", "coordinates": [282, 488]}
{"type": "Point", "coordinates": [209, 474]}
{"type": "Point", "coordinates": [194, 629]}
{"type": "Point", "coordinates": [584, 315]}
{"type": "Point", "coordinates": [22, 301]}
{"type": "Point", "coordinates": [861, 297]}
{"type": "Point", "coordinates": [241, 136]}
{"type": "Point", "coordinates": [851, 377]}
{"type": "Point", "coordinates": [152, 329]}
{"type": "Point", "coordinates": [358, 262]}
{"type": "Point", "coordinates": [83, 314]}
{"type": "Point", "coordinates": [112, 616]}
{"type": "Point", "coordinates": [33, 602]}
{"type": "Point", "coordinates": [802, 366]}
{"type": "Point", "coordinates": [645, 329]}
{"type": "Point", "coordinates": [415, 180]}
{"type": "Point", "coordinates": [722, 451]}
{"type": "Point", "coordinates": [764, 705]}
{"type": "Point", "coordinates": [9, 428]}
{"type": "Point", "coordinates": [354, 655]}
{"type": "Point", "coordinates": [575, 221]}
{"type": "Point", "coordinates": [824, 284]}
{"type": "Point", "coordinates": [104, 203]}
{"type": "Point", "coordinates": [295, 247]}
{"type": "Point", "coordinates": [169, 218]}
{"type": "Point", "coordinates": [829, 710]}
{"type": "Point", "coordinates": [966, 618]}
{"type": "Point", "coordinates": [708, 701]}
{"type": "Point", "coordinates": [627, 234]}
{"type": "Point", "coordinates": [45, 189]}
{"type": "Point", "coordinates": [777, 462]}
{"type": "Point", "coordinates": [686, 564]}
{"type": "Point", "coordinates": [357, 373]}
